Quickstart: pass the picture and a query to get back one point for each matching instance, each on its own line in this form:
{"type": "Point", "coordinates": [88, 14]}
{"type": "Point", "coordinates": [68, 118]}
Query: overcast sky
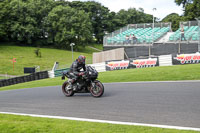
{"type": "Point", "coordinates": [164, 7]}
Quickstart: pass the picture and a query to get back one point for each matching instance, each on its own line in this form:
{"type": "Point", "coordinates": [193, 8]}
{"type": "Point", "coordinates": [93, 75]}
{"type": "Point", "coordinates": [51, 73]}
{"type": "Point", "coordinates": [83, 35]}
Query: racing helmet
{"type": "Point", "coordinates": [81, 59]}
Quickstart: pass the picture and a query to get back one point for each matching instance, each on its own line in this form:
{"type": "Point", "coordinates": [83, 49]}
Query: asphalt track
{"type": "Point", "coordinates": [163, 103]}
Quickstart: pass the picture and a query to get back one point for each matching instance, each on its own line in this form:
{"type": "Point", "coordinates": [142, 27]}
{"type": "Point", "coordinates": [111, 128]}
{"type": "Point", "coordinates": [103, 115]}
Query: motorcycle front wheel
{"type": "Point", "coordinates": [66, 91]}
{"type": "Point", "coordinates": [97, 90]}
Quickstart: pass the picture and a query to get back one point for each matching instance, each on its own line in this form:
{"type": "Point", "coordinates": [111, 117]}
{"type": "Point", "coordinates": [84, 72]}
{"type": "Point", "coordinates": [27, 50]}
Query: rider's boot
{"type": "Point", "coordinates": [75, 88]}
{"type": "Point", "coordinates": [71, 81]}
{"type": "Point", "coordinates": [72, 85]}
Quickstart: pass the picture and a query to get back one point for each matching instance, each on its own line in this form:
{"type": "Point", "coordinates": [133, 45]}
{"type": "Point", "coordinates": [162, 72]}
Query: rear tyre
{"type": "Point", "coordinates": [97, 90]}
{"type": "Point", "coordinates": [67, 93]}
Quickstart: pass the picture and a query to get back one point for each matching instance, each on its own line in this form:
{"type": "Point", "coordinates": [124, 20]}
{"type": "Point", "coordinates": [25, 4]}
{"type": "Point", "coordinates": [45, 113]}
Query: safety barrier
{"type": "Point", "coordinates": [114, 54]}
{"type": "Point", "coordinates": [100, 67]}
{"type": "Point", "coordinates": [163, 60]}
{"type": "Point", "coordinates": [59, 72]}
{"type": "Point", "coordinates": [26, 78]}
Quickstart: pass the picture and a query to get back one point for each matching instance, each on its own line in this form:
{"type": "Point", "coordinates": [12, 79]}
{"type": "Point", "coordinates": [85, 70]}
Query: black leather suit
{"type": "Point", "coordinates": [75, 69]}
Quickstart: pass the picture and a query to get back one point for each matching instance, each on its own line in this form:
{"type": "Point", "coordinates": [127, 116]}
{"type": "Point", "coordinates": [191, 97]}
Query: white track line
{"type": "Point", "coordinates": [104, 121]}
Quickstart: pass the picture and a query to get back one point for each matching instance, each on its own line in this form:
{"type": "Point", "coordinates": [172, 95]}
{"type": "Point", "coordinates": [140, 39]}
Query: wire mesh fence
{"type": "Point", "coordinates": [149, 34]}
{"type": "Point", "coordinates": [143, 33]}
{"type": "Point", "coordinates": [155, 42]}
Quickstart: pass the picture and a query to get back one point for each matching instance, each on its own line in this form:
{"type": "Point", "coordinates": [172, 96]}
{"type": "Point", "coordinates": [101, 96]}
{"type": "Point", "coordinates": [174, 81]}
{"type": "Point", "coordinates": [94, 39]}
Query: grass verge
{"type": "Point", "coordinates": [98, 46]}
{"type": "Point", "coordinates": [27, 124]}
{"type": "Point", "coordinates": [26, 57]}
{"type": "Point", "coordinates": [168, 73]}
{"type": "Point", "coordinates": [20, 124]}
{"type": "Point", "coordinates": [2, 77]}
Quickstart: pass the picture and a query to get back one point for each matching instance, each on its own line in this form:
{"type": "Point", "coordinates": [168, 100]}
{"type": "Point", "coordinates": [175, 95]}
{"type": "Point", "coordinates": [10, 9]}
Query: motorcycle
{"type": "Point", "coordinates": [86, 83]}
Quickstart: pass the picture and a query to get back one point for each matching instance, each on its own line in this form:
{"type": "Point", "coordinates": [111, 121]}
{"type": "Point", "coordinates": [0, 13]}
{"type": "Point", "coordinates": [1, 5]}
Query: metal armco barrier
{"type": "Point", "coordinates": [26, 78]}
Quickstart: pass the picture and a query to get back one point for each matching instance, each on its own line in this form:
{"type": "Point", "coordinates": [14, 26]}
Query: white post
{"type": "Point", "coordinates": [152, 34]}
{"type": "Point", "coordinates": [153, 25]}
{"type": "Point", "coordinates": [198, 21]}
{"type": "Point", "coordinates": [72, 44]}
{"type": "Point", "coordinates": [199, 35]}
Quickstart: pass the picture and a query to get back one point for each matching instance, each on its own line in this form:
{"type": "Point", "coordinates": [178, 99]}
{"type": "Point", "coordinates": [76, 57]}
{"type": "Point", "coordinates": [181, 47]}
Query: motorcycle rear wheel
{"type": "Point", "coordinates": [98, 90]}
{"type": "Point", "coordinates": [67, 93]}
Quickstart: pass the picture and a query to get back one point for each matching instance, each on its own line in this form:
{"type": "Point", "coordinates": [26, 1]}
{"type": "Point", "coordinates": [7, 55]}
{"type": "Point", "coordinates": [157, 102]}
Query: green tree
{"type": "Point", "coordinates": [5, 22]}
{"type": "Point", "coordinates": [113, 22]}
{"type": "Point", "coordinates": [98, 14]}
{"type": "Point", "coordinates": [133, 16]}
{"type": "Point", "coordinates": [60, 22]}
{"type": "Point", "coordinates": [183, 2]}
{"type": "Point", "coordinates": [23, 24]}
{"type": "Point", "coordinates": [23, 21]}
{"type": "Point", "coordinates": [191, 8]}
{"type": "Point", "coordinates": [67, 25]}
{"type": "Point", "coordinates": [175, 19]}
{"type": "Point", "coordinates": [40, 10]}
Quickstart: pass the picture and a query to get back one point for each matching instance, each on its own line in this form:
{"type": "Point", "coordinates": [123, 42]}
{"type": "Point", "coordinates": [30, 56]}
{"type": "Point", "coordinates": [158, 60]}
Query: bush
{"type": "Point", "coordinates": [38, 52]}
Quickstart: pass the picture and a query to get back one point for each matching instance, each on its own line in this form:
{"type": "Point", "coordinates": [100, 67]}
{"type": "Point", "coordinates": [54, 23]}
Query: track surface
{"type": "Point", "coordinates": [164, 103]}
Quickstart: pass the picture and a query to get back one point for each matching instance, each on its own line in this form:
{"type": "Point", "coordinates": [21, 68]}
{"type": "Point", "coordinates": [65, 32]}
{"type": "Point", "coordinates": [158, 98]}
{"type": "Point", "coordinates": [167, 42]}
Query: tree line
{"type": "Point", "coordinates": [58, 22]}
{"type": "Point", "coordinates": [191, 12]}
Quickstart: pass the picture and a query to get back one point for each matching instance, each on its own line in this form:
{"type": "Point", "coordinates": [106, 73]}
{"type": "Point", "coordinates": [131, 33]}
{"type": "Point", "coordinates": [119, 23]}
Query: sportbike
{"type": "Point", "coordinates": [86, 83]}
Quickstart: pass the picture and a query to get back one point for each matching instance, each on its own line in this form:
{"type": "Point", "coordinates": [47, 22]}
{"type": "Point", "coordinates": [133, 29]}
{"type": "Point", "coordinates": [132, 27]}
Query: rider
{"type": "Point", "coordinates": [75, 68]}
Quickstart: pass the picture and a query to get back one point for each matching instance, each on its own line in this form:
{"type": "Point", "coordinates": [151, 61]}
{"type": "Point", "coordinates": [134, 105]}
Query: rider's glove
{"type": "Point", "coordinates": [81, 73]}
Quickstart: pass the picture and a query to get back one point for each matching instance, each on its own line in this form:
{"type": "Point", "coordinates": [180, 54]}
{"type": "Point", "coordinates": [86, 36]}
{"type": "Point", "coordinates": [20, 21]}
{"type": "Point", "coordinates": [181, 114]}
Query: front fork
{"type": "Point", "coordinates": [93, 85]}
{"type": "Point", "coordinates": [70, 86]}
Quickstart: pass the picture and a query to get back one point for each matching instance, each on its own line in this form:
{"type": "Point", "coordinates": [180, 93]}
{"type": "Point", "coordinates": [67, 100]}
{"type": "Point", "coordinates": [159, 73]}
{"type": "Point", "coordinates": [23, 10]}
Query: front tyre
{"type": "Point", "coordinates": [66, 91]}
{"type": "Point", "coordinates": [97, 89]}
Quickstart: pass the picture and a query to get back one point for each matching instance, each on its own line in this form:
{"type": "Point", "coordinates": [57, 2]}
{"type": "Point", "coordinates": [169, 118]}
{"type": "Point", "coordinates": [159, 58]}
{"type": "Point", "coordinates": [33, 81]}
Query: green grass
{"type": "Point", "coordinates": [178, 72]}
{"type": "Point", "coordinates": [20, 124]}
{"type": "Point", "coordinates": [87, 49]}
{"type": "Point", "coordinates": [26, 124]}
{"type": "Point", "coordinates": [2, 77]}
{"type": "Point", "coordinates": [169, 73]}
{"type": "Point", "coordinates": [26, 57]}
{"type": "Point", "coordinates": [98, 46]}
{"type": "Point", "coordinates": [36, 83]}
